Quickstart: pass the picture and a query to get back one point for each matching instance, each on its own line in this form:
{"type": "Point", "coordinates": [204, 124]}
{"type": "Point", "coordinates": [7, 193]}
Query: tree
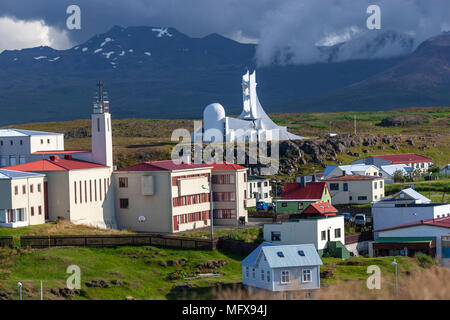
{"type": "Point", "coordinates": [399, 176]}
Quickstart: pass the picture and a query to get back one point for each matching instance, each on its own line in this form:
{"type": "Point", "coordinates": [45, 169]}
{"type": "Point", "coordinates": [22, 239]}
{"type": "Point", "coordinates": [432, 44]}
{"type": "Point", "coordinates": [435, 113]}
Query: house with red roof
{"type": "Point", "coordinates": [413, 160]}
{"type": "Point", "coordinates": [355, 189]}
{"type": "Point", "coordinates": [75, 190]}
{"type": "Point", "coordinates": [296, 197]}
{"type": "Point", "coordinates": [171, 196]}
{"type": "Point", "coordinates": [430, 236]}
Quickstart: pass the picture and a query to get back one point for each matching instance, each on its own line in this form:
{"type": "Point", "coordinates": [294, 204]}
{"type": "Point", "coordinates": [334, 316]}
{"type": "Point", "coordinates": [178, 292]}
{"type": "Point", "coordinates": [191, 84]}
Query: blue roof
{"type": "Point", "coordinates": [290, 255]}
{"type": "Point", "coordinates": [11, 174]}
{"type": "Point", "coordinates": [328, 170]}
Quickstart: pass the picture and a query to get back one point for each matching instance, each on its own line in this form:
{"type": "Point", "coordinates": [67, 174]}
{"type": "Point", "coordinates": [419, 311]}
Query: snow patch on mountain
{"type": "Point", "coordinates": [40, 57]}
{"type": "Point", "coordinates": [108, 54]}
{"type": "Point", "coordinates": [98, 50]}
{"type": "Point", "coordinates": [122, 53]}
{"type": "Point", "coordinates": [162, 32]}
{"type": "Point", "coordinates": [106, 41]}
{"type": "Point", "coordinates": [84, 49]}
{"type": "Point", "coordinates": [54, 59]}
{"type": "Point", "coordinates": [148, 53]}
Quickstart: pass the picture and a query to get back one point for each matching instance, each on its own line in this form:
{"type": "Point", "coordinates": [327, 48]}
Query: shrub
{"type": "Point", "coordinates": [425, 261]}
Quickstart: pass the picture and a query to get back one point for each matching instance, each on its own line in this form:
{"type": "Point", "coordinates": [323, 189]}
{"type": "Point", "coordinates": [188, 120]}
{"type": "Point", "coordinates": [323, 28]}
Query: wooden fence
{"type": "Point", "coordinates": [358, 237]}
{"type": "Point", "coordinates": [102, 241]}
{"type": "Point", "coordinates": [236, 246]}
{"type": "Point", "coordinates": [6, 242]}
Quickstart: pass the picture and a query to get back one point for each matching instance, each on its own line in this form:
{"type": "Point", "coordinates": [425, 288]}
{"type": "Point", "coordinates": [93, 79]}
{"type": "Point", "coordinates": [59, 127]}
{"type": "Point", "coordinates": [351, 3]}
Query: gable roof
{"type": "Point", "coordinates": [413, 194]}
{"type": "Point", "coordinates": [57, 164]}
{"type": "Point", "coordinates": [321, 208]}
{"type": "Point", "coordinates": [295, 191]}
{"type": "Point", "coordinates": [11, 174]}
{"type": "Point", "coordinates": [404, 158]}
{"type": "Point", "coordinates": [164, 165]}
{"type": "Point", "coordinates": [291, 256]}
{"type": "Point", "coordinates": [24, 133]}
{"type": "Point", "coordinates": [225, 166]}
{"type": "Point", "coordinates": [352, 177]}
{"type": "Point", "coordinates": [391, 168]}
{"type": "Point", "coordinates": [439, 222]}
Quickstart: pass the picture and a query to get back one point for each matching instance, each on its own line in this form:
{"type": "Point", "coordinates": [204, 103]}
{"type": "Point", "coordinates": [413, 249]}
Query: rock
{"type": "Point", "coordinates": [382, 147]}
{"type": "Point", "coordinates": [116, 282]}
{"type": "Point", "coordinates": [410, 142]}
{"type": "Point", "coordinates": [162, 263]}
{"type": "Point", "coordinates": [288, 149]}
{"type": "Point", "coordinates": [97, 283]}
{"type": "Point", "coordinates": [182, 261]}
{"type": "Point", "coordinates": [365, 151]}
{"type": "Point", "coordinates": [404, 120]}
{"type": "Point", "coordinates": [183, 287]}
{"type": "Point", "coordinates": [172, 263]}
{"type": "Point", "coordinates": [129, 298]}
{"type": "Point", "coordinates": [394, 146]}
{"type": "Point", "coordinates": [326, 274]}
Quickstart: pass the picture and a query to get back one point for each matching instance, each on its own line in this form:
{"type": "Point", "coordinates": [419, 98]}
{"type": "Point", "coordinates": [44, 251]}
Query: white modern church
{"type": "Point", "coordinates": [252, 125]}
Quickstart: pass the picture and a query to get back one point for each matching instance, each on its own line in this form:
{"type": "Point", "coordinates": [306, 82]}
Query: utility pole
{"type": "Point", "coordinates": [396, 280]}
{"type": "Point", "coordinates": [354, 124]}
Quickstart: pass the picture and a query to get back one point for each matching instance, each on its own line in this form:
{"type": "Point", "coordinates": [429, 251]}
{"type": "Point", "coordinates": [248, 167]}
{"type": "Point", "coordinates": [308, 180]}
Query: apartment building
{"type": "Point", "coordinates": [259, 189]}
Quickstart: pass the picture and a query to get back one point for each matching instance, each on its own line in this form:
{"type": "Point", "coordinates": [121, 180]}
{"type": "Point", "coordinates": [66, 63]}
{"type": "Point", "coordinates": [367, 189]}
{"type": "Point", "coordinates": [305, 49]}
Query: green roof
{"type": "Point", "coordinates": [404, 239]}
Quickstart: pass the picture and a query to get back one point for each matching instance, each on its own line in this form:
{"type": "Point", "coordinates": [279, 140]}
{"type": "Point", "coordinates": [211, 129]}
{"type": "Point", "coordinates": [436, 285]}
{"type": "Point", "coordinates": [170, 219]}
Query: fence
{"type": "Point", "coordinates": [6, 242]}
{"type": "Point", "coordinates": [236, 246]}
{"type": "Point", "coordinates": [102, 241]}
{"type": "Point", "coordinates": [358, 237]}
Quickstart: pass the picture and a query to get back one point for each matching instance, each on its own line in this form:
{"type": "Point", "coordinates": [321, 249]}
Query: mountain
{"type": "Point", "coordinates": [163, 73]}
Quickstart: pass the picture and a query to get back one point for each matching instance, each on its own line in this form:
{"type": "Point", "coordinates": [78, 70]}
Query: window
{"type": "Point", "coordinates": [345, 186]}
{"type": "Point", "coordinates": [285, 277]}
{"type": "Point", "coordinates": [337, 233]}
{"type": "Point", "coordinates": [42, 141]}
{"type": "Point", "coordinates": [123, 182]}
{"type": "Point", "coordinates": [1, 142]}
{"type": "Point", "coordinates": [39, 187]}
{"type": "Point", "coordinates": [11, 142]}
{"type": "Point", "coordinates": [284, 204]}
{"type": "Point", "coordinates": [31, 188]}
{"type": "Point", "coordinates": [98, 124]}
{"type": "Point", "coordinates": [16, 190]}
{"type": "Point", "coordinates": [300, 206]}
{"type": "Point", "coordinates": [350, 198]}
{"type": "Point", "coordinates": [306, 275]}
{"type": "Point", "coordinates": [32, 211]}
{"type": "Point", "coordinates": [90, 190]}
{"type": "Point", "coordinates": [75, 190]}
{"type": "Point", "coordinates": [253, 273]}
{"type": "Point", "coordinates": [95, 189]}
{"type": "Point", "coordinates": [123, 203]}
{"type": "Point", "coordinates": [301, 253]}
{"type": "Point", "coordinates": [323, 235]}
{"type": "Point", "coordinates": [362, 198]}
{"type": "Point", "coordinates": [334, 186]}
{"type": "Point", "coordinates": [24, 189]}
{"type": "Point", "coordinates": [375, 185]}
{"type": "Point", "coordinates": [40, 210]}
{"type": "Point", "coordinates": [280, 254]}
{"type": "Point", "coordinates": [381, 184]}
{"type": "Point", "coordinates": [266, 195]}
{"type": "Point", "coordinates": [85, 191]}
{"type": "Point", "coordinates": [21, 142]}
{"type": "Point", "coordinates": [247, 272]}
{"type": "Point", "coordinates": [48, 141]}
{"type": "Point", "coordinates": [81, 194]}
{"type": "Point", "coordinates": [262, 275]}
{"type": "Point", "coordinates": [276, 236]}
{"type": "Point", "coordinates": [268, 276]}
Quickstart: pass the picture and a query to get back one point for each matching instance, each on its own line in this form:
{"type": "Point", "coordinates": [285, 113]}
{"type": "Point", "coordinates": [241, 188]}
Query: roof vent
{"type": "Point", "coordinates": [280, 254]}
{"type": "Point", "coordinates": [301, 253]}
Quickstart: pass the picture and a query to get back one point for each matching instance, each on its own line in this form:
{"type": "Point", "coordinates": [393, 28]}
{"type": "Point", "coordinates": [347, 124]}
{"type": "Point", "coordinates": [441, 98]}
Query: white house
{"type": "Point", "coordinates": [252, 125]}
{"type": "Point", "coordinates": [387, 172]}
{"type": "Point", "coordinates": [282, 268]}
{"type": "Point", "coordinates": [317, 231]}
{"type": "Point", "coordinates": [413, 160]}
{"type": "Point", "coordinates": [406, 206]}
{"type": "Point", "coordinates": [430, 236]}
{"type": "Point", "coordinates": [258, 189]}
{"type": "Point", "coordinates": [355, 169]}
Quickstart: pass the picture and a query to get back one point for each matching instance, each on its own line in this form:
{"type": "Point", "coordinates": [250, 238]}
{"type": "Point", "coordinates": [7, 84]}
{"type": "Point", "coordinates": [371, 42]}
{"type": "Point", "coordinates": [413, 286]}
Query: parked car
{"type": "Point", "coordinates": [347, 217]}
{"type": "Point", "coordinates": [261, 205]}
{"type": "Point", "coordinates": [362, 220]}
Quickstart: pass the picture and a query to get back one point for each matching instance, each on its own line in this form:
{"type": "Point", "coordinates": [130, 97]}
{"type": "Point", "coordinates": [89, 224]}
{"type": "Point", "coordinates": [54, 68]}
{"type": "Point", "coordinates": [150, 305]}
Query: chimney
{"type": "Point", "coordinates": [68, 157]}
{"type": "Point", "coordinates": [54, 158]}
{"type": "Point", "coordinates": [303, 181]}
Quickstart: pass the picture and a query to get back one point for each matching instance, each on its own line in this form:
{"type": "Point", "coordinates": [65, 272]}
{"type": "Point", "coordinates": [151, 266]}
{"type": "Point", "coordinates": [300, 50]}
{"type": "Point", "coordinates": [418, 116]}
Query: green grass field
{"type": "Point", "coordinates": [436, 190]}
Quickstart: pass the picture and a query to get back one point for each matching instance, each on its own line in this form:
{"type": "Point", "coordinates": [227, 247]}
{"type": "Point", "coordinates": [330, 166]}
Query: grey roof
{"type": "Point", "coordinates": [390, 169]}
{"type": "Point", "coordinates": [291, 255]}
{"type": "Point", "coordinates": [348, 168]}
{"type": "Point", "coordinates": [414, 194]}
{"type": "Point", "coordinates": [11, 174]}
{"type": "Point", "coordinates": [24, 133]}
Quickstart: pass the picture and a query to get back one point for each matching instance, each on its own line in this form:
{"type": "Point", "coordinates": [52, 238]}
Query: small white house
{"type": "Point", "coordinates": [282, 268]}
{"type": "Point", "coordinates": [388, 172]}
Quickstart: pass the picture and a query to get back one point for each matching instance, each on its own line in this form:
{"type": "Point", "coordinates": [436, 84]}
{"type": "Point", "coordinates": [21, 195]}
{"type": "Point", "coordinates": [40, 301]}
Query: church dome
{"type": "Point", "coordinates": [214, 113]}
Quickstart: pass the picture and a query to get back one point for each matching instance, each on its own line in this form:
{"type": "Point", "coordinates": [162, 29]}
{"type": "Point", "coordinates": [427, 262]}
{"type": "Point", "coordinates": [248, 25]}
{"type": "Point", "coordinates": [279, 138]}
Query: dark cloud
{"type": "Point", "coordinates": [288, 30]}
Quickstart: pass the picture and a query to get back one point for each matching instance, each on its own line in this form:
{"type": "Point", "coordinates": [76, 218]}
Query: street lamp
{"type": "Point", "coordinates": [394, 263]}
{"type": "Point", "coordinates": [19, 284]}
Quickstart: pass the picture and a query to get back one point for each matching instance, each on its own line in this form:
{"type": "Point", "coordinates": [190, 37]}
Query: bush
{"type": "Point", "coordinates": [425, 261]}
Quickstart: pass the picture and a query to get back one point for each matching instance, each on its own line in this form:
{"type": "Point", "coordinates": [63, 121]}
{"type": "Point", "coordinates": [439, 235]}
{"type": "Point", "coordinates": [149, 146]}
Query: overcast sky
{"type": "Point", "coordinates": [285, 30]}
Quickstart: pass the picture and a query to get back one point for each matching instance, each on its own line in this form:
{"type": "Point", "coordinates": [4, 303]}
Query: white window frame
{"type": "Point", "coordinates": [307, 272]}
{"type": "Point", "coordinates": [268, 276]}
{"type": "Point", "coordinates": [247, 272]}
{"type": "Point", "coordinates": [285, 277]}
{"type": "Point", "coordinates": [262, 274]}
{"type": "Point", "coordinates": [253, 273]}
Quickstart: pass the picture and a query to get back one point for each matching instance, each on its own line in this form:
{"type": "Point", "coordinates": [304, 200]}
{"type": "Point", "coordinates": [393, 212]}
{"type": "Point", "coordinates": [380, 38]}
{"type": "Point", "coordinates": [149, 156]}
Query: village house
{"type": "Point", "coordinates": [229, 193]}
{"type": "Point", "coordinates": [259, 189]}
{"type": "Point", "coordinates": [413, 160]}
{"type": "Point", "coordinates": [430, 236]}
{"type": "Point", "coordinates": [22, 199]}
{"type": "Point", "coordinates": [163, 196]}
{"type": "Point", "coordinates": [388, 172]}
{"type": "Point", "coordinates": [296, 197]}
{"type": "Point", "coordinates": [355, 189]}
{"type": "Point", "coordinates": [282, 268]}
{"type": "Point", "coordinates": [404, 207]}
{"type": "Point", "coordinates": [356, 169]}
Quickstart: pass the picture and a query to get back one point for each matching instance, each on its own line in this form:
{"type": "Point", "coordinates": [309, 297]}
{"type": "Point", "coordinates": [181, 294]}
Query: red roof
{"type": "Point", "coordinates": [295, 191]}
{"type": "Point", "coordinates": [439, 222]}
{"type": "Point", "coordinates": [321, 208]}
{"type": "Point", "coordinates": [404, 158]}
{"type": "Point", "coordinates": [164, 165]}
{"type": "Point", "coordinates": [352, 177]}
{"type": "Point", "coordinates": [61, 152]}
{"type": "Point", "coordinates": [57, 164]}
{"type": "Point", "coordinates": [225, 166]}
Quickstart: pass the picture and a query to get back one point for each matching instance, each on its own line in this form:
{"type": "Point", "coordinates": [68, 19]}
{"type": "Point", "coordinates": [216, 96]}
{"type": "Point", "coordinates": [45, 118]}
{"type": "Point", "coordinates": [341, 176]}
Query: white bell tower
{"type": "Point", "coordinates": [101, 130]}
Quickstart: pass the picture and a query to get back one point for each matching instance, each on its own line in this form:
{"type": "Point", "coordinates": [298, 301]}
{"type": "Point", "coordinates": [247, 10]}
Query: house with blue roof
{"type": "Point", "coordinates": [282, 268]}
{"type": "Point", "coordinates": [22, 198]}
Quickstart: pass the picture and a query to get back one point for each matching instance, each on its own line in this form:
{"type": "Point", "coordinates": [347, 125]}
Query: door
{"type": "Point", "coordinates": [328, 235]}
{"type": "Point", "coordinates": [446, 247]}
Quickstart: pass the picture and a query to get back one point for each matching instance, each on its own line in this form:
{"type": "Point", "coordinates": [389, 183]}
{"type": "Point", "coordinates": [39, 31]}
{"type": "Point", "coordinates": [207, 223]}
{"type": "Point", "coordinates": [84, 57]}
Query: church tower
{"type": "Point", "coordinates": [101, 130]}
